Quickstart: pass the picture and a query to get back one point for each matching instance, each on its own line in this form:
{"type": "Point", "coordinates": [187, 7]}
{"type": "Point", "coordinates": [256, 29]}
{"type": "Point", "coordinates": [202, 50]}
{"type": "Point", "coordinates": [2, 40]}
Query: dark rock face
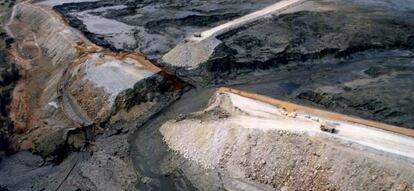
{"type": "Point", "coordinates": [8, 75]}
{"type": "Point", "coordinates": [151, 94]}
{"type": "Point", "coordinates": [31, 172]}
{"type": "Point", "coordinates": [386, 97]}
{"type": "Point", "coordinates": [153, 89]}
{"type": "Point", "coordinates": [57, 145]}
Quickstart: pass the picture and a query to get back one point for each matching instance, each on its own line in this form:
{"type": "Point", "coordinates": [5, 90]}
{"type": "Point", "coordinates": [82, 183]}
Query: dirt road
{"type": "Point", "coordinates": [277, 7]}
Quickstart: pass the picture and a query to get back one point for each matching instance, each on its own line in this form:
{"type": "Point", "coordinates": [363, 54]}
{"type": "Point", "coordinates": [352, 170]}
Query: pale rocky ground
{"type": "Point", "coordinates": [252, 143]}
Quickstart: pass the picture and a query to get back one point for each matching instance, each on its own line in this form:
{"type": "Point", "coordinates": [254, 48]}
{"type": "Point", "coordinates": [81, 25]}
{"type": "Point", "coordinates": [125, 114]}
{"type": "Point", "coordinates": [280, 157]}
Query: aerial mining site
{"type": "Point", "coordinates": [243, 95]}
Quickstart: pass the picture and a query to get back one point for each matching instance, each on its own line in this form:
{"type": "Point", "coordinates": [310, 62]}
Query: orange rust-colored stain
{"type": "Point", "coordinates": [19, 106]}
{"type": "Point", "coordinates": [140, 58]}
{"type": "Point", "coordinates": [15, 56]}
{"type": "Point", "coordinates": [86, 48]}
{"type": "Point", "coordinates": [172, 80]}
{"type": "Point", "coordinates": [24, 108]}
{"type": "Point", "coordinates": [291, 107]}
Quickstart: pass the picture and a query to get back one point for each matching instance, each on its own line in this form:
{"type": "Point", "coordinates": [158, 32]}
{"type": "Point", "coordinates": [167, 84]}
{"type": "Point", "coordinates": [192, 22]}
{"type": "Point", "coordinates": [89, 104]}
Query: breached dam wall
{"type": "Point", "coordinates": [71, 82]}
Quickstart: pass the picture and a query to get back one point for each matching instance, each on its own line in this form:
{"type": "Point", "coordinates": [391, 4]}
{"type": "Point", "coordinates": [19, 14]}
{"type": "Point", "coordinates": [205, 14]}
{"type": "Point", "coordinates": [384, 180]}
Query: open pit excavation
{"type": "Point", "coordinates": [200, 95]}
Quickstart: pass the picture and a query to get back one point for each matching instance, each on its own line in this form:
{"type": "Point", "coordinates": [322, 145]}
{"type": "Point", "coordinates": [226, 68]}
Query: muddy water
{"type": "Point", "coordinates": [150, 154]}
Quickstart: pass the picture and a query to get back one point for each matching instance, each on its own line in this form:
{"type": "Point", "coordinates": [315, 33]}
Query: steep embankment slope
{"type": "Point", "coordinates": [270, 145]}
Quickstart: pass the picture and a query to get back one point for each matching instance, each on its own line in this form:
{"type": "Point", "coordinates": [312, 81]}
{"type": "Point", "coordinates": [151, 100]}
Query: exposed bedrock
{"type": "Point", "coordinates": [253, 145]}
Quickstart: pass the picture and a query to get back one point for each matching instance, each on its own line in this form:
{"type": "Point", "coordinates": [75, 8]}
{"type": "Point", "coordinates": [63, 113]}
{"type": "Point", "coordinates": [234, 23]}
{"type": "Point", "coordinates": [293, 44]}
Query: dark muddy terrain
{"type": "Point", "coordinates": [158, 26]}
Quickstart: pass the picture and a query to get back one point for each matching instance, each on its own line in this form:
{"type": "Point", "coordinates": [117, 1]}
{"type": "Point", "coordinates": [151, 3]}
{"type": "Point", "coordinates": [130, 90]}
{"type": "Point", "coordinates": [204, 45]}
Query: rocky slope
{"type": "Point", "coordinates": [254, 145]}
